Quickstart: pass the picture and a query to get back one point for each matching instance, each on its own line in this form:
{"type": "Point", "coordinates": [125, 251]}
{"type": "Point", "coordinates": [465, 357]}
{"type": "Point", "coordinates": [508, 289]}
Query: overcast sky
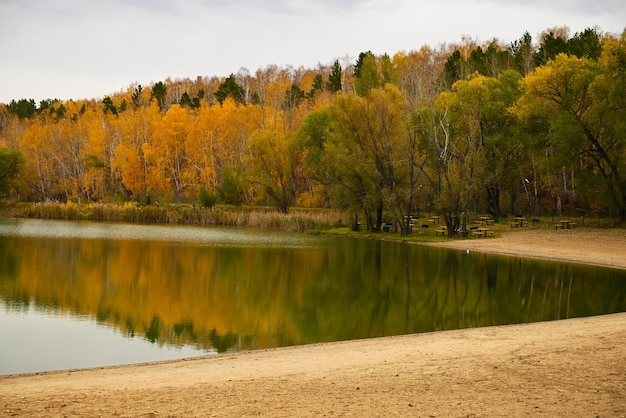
{"type": "Point", "coordinates": [75, 49]}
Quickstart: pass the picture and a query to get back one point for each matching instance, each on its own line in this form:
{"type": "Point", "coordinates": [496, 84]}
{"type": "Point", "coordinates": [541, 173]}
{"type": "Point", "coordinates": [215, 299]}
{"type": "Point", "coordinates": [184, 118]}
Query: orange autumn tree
{"type": "Point", "coordinates": [41, 173]}
{"type": "Point", "coordinates": [218, 145]}
{"type": "Point", "coordinates": [168, 170]}
{"type": "Point", "coordinates": [97, 155]}
{"type": "Point", "coordinates": [134, 127]}
{"type": "Point", "coordinates": [53, 147]}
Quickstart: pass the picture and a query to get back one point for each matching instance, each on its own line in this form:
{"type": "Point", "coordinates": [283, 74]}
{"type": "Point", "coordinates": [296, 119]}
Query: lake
{"type": "Point", "coordinates": [86, 294]}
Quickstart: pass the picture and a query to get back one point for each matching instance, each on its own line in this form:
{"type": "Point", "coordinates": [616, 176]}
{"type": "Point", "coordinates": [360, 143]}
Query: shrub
{"type": "Point", "coordinates": [207, 199]}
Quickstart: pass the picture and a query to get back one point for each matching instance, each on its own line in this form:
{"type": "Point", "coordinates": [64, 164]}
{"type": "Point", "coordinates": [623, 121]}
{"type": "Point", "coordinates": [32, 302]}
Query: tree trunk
{"type": "Point", "coordinates": [379, 216]}
{"type": "Point", "coordinates": [493, 200]}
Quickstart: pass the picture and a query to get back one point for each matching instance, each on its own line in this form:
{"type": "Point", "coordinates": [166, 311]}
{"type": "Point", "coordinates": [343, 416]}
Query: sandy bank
{"type": "Point", "coordinates": [604, 247]}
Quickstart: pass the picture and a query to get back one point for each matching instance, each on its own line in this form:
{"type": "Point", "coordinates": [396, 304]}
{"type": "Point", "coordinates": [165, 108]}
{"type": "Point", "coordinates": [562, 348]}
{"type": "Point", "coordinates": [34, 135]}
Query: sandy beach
{"type": "Point", "coordinates": [567, 368]}
{"type": "Point", "coordinates": [602, 247]}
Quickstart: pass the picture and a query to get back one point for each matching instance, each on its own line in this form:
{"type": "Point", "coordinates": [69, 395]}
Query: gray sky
{"type": "Point", "coordinates": [75, 49]}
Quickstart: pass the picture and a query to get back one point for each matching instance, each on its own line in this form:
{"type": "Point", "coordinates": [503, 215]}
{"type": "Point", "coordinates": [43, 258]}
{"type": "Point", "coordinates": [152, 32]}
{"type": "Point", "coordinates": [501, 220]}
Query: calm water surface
{"type": "Point", "coordinates": [81, 294]}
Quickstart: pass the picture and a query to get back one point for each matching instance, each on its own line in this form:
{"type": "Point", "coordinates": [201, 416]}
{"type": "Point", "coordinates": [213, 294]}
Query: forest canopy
{"type": "Point", "coordinates": [531, 127]}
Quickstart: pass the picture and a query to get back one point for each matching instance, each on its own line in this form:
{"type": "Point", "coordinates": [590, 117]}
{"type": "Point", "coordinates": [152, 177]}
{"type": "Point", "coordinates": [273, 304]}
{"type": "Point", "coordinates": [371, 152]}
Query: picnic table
{"type": "Point", "coordinates": [519, 221]}
{"type": "Point", "coordinates": [565, 224]}
{"type": "Point", "coordinates": [482, 232]}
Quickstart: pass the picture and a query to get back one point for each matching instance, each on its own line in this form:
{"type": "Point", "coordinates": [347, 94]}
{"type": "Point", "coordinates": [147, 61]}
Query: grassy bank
{"type": "Point", "coordinates": [328, 221]}
{"type": "Point", "coordinates": [299, 220]}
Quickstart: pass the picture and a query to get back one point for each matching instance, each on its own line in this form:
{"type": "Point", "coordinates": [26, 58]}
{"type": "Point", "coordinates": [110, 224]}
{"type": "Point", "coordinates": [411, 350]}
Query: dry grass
{"type": "Point", "coordinates": [298, 220]}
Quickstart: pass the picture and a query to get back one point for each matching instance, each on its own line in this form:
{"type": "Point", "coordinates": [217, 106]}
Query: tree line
{"type": "Point", "coordinates": [525, 128]}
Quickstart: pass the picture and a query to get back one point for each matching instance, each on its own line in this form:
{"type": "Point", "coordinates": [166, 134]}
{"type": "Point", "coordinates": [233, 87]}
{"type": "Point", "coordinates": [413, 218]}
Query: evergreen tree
{"type": "Point", "coordinates": [293, 96]}
{"type": "Point", "coordinates": [551, 46]}
{"type": "Point", "coordinates": [231, 88]}
{"type": "Point", "coordinates": [109, 106]}
{"type": "Point", "coordinates": [586, 44]}
{"type": "Point", "coordinates": [522, 52]}
{"type": "Point", "coordinates": [452, 71]}
{"type": "Point", "coordinates": [366, 72]}
{"type": "Point", "coordinates": [23, 108]}
{"type": "Point", "coordinates": [335, 78]}
{"type": "Point", "coordinates": [159, 91]}
{"type": "Point", "coordinates": [136, 96]}
{"type": "Point", "coordinates": [318, 85]}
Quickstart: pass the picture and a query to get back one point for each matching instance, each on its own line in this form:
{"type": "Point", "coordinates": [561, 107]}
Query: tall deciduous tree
{"type": "Point", "coordinates": [363, 153]}
{"type": "Point", "coordinates": [135, 128]}
{"type": "Point", "coordinates": [274, 164]}
{"type": "Point", "coordinates": [584, 103]}
{"type": "Point", "coordinates": [11, 165]}
{"type": "Point", "coordinates": [168, 164]}
{"type": "Point", "coordinates": [418, 75]}
{"type": "Point", "coordinates": [480, 109]}
{"type": "Point", "coordinates": [450, 141]}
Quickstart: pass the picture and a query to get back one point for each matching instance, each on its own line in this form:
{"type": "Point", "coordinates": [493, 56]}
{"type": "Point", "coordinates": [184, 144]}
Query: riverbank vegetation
{"type": "Point", "coordinates": [531, 128]}
{"type": "Point", "coordinates": [297, 220]}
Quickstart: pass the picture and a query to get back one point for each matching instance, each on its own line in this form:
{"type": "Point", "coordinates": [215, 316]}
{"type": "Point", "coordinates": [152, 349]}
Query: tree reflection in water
{"type": "Point", "coordinates": [255, 295]}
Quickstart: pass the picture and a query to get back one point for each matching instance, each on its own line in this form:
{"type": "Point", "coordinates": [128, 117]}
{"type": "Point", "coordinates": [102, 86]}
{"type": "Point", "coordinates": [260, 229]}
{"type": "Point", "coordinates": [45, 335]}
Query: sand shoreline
{"type": "Point", "coordinates": [599, 247]}
{"type": "Point", "coordinates": [572, 367]}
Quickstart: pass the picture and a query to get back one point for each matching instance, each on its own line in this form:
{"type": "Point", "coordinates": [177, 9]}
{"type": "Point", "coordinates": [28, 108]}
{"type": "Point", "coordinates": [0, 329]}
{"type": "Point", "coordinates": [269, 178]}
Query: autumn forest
{"type": "Point", "coordinates": [532, 127]}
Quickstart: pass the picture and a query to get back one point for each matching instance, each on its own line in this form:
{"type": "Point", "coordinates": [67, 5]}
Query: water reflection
{"type": "Point", "coordinates": [35, 340]}
{"type": "Point", "coordinates": [231, 289]}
